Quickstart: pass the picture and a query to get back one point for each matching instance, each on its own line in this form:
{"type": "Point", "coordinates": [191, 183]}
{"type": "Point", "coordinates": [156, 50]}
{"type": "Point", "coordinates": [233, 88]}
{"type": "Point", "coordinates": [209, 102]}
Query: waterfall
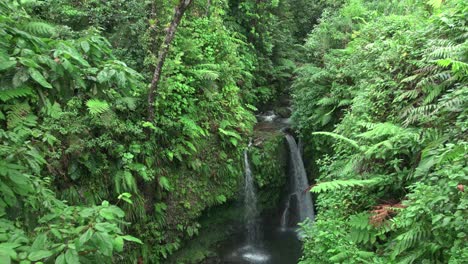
{"type": "Point", "coordinates": [285, 214]}
{"type": "Point", "coordinates": [299, 183]}
{"type": "Point", "coordinates": [250, 203]}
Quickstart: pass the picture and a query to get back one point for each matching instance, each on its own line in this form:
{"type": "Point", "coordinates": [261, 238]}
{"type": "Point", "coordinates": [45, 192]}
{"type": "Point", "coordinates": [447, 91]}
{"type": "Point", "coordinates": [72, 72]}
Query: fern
{"type": "Point", "coordinates": [433, 94]}
{"type": "Point", "coordinates": [207, 74]}
{"type": "Point", "coordinates": [339, 184]}
{"type": "Point", "coordinates": [326, 101]}
{"type": "Point", "coordinates": [53, 110]}
{"type": "Point", "coordinates": [39, 28]}
{"type": "Point", "coordinates": [6, 95]}
{"type": "Point", "coordinates": [382, 130]}
{"type": "Point", "coordinates": [444, 49]}
{"type": "Point", "coordinates": [96, 106]}
{"type": "Point", "coordinates": [409, 239]}
{"type": "Point", "coordinates": [351, 142]}
{"type": "Point", "coordinates": [129, 102]}
{"type": "Point", "coordinates": [230, 133]}
{"type": "Point", "coordinates": [362, 231]}
{"type": "Point", "coordinates": [19, 115]}
{"type": "Point", "coordinates": [435, 3]}
{"type": "Point", "coordinates": [459, 151]}
{"type": "Point", "coordinates": [414, 114]}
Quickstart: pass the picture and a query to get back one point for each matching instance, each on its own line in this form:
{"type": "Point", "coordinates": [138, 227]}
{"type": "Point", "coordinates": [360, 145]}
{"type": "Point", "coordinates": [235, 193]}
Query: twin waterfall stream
{"type": "Point", "coordinates": [273, 243]}
{"type": "Point", "coordinates": [250, 203]}
{"type": "Point", "coordinates": [299, 185]}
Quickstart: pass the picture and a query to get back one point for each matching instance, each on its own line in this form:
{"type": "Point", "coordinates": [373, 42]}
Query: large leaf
{"type": "Point", "coordinates": [5, 259]}
{"type": "Point", "coordinates": [40, 254]}
{"type": "Point", "coordinates": [71, 257]}
{"type": "Point", "coordinates": [6, 64]}
{"type": "Point", "coordinates": [132, 239]}
{"type": "Point", "coordinates": [39, 78]}
{"type": "Point", "coordinates": [118, 244]}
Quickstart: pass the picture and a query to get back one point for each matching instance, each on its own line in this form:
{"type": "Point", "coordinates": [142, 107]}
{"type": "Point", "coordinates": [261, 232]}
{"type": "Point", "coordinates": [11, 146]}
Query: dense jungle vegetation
{"type": "Point", "coordinates": [123, 122]}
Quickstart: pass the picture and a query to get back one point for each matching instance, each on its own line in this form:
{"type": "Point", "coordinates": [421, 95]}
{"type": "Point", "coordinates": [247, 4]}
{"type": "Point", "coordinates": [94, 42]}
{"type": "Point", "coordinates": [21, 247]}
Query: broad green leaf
{"type": "Point", "coordinates": [104, 243]}
{"type": "Point", "coordinates": [5, 259]}
{"type": "Point", "coordinates": [60, 259]}
{"type": "Point", "coordinates": [118, 244]}
{"type": "Point", "coordinates": [85, 46]}
{"type": "Point", "coordinates": [71, 257]}
{"type": "Point", "coordinates": [39, 242]}
{"type": "Point", "coordinates": [126, 197]}
{"type": "Point", "coordinates": [40, 254]}
{"type": "Point", "coordinates": [5, 65]}
{"type": "Point", "coordinates": [164, 183]}
{"type": "Point", "coordinates": [103, 76]}
{"type": "Point", "coordinates": [87, 212]}
{"type": "Point", "coordinates": [221, 198]}
{"type": "Point", "coordinates": [86, 236]}
{"type": "Point", "coordinates": [132, 239]}
{"type": "Point", "coordinates": [107, 214]}
{"type": "Point", "coordinates": [39, 78]}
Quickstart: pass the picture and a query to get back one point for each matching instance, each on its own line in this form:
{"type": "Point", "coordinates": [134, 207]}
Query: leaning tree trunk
{"type": "Point", "coordinates": [179, 11]}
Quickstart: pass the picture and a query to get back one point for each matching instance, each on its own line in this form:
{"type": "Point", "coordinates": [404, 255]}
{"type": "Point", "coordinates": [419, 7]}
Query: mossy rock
{"type": "Point", "coordinates": [269, 168]}
{"type": "Point", "coordinates": [284, 112]}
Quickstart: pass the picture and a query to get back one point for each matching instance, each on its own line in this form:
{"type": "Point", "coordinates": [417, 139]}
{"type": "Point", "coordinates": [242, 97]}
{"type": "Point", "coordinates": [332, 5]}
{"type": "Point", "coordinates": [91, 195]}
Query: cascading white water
{"type": "Point", "coordinates": [299, 183]}
{"type": "Point", "coordinates": [250, 203]}
{"type": "Point", "coordinates": [285, 214]}
{"type": "Point", "coordinates": [268, 116]}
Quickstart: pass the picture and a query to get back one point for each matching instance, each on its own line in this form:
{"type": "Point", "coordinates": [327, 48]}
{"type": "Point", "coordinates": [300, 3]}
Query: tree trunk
{"type": "Point", "coordinates": [179, 11]}
{"type": "Point", "coordinates": [208, 6]}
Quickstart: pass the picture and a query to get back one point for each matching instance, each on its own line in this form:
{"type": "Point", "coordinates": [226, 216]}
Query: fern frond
{"type": "Point", "coordinates": [6, 95]}
{"type": "Point", "coordinates": [96, 106]}
{"type": "Point", "coordinates": [382, 130]}
{"type": "Point", "coordinates": [446, 49]}
{"type": "Point", "coordinates": [452, 154]}
{"type": "Point", "coordinates": [129, 102]}
{"type": "Point", "coordinates": [339, 184]}
{"type": "Point", "coordinates": [205, 74]}
{"type": "Point", "coordinates": [20, 115]}
{"type": "Point", "coordinates": [409, 239]}
{"type": "Point", "coordinates": [433, 94]}
{"type": "Point", "coordinates": [360, 221]}
{"type": "Point", "coordinates": [413, 114]}
{"type": "Point", "coordinates": [411, 94]}
{"type": "Point", "coordinates": [39, 28]}
{"type": "Point", "coordinates": [326, 101]}
{"type": "Point", "coordinates": [339, 137]}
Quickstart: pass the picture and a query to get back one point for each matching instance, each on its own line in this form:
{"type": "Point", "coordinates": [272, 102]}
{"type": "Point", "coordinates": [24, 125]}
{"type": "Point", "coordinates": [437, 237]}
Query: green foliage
{"type": "Point", "coordinates": [36, 94]}
{"type": "Point", "coordinates": [96, 106]}
{"type": "Point", "coordinates": [386, 85]}
{"type": "Point", "coordinates": [269, 161]}
{"type": "Point", "coordinates": [338, 184]}
{"type": "Point", "coordinates": [339, 137]}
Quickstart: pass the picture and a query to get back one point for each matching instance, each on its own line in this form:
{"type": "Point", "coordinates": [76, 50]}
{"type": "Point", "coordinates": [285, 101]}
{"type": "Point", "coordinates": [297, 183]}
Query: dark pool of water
{"type": "Point", "coordinates": [276, 246]}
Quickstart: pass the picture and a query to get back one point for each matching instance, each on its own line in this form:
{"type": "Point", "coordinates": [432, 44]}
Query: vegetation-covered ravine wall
{"type": "Point", "coordinates": [87, 175]}
{"type": "Point", "coordinates": [381, 103]}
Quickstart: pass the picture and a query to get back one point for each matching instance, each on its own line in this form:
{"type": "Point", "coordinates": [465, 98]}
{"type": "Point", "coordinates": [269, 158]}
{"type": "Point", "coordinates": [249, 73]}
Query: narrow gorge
{"type": "Point", "coordinates": [233, 131]}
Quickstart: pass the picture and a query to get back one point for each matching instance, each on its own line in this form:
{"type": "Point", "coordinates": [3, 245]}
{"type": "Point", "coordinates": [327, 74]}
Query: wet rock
{"type": "Point", "coordinates": [283, 112]}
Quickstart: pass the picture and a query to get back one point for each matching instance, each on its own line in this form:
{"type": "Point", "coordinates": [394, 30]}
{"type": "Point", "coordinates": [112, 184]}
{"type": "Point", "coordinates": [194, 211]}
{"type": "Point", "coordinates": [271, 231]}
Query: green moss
{"type": "Point", "coordinates": [269, 161]}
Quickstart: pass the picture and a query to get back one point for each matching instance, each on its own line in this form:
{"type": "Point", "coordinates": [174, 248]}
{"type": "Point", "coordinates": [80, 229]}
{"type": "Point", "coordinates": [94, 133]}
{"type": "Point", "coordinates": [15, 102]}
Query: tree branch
{"type": "Point", "coordinates": [179, 11]}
